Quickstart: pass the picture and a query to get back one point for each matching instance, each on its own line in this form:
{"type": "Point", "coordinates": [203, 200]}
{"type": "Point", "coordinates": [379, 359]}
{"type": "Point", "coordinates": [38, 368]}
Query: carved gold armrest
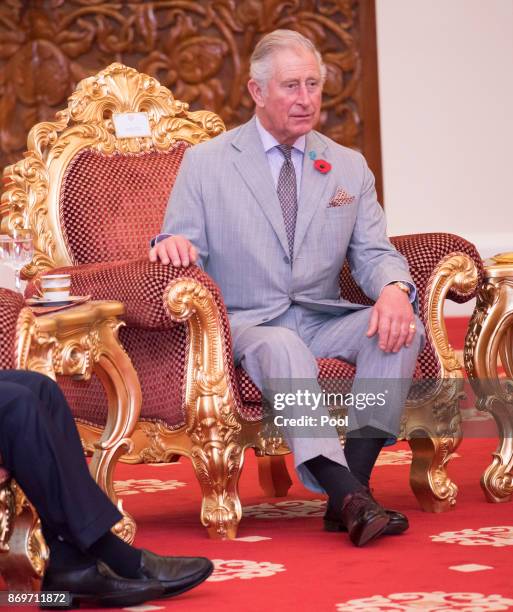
{"type": "Point", "coordinates": [456, 271]}
{"type": "Point", "coordinates": [211, 419]}
{"type": "Point", "coordinates": [432, 422]}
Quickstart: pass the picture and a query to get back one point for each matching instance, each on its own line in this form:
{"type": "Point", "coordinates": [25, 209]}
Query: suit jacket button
{"type": "Point", "coordinates": [286, 259]}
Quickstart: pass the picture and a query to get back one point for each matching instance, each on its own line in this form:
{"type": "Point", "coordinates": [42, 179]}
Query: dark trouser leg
{"type": "Point", "coordinates": [362, 449]}
{"type": "Point", "coordinates": [40, 445]}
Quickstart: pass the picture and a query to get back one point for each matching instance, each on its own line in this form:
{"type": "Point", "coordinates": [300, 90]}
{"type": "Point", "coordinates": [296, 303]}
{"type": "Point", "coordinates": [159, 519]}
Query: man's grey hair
{"type": "Point", "coordinates": [260, 64]}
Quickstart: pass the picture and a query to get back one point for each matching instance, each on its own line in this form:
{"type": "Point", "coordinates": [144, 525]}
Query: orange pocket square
{"type": "Point", "coordinates": [341, 198]}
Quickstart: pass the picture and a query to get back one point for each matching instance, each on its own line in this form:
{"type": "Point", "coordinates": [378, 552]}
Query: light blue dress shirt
{"type": "Point", "coordinates": [275, 157]}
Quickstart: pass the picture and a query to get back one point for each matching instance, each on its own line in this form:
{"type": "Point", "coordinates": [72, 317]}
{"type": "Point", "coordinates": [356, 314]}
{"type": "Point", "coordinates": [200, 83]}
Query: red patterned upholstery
{"type": "Point", "coordinates": [11, 304]}
{"type": "Point", "coordinates": [107, 198]}
{"type": "Point", "coordinates": [156, 345]}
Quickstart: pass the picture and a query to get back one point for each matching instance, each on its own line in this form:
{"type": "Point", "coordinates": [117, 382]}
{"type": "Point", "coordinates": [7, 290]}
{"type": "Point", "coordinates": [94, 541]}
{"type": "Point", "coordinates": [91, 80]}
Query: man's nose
{"type": "Point", "coordinates": [303, 96]}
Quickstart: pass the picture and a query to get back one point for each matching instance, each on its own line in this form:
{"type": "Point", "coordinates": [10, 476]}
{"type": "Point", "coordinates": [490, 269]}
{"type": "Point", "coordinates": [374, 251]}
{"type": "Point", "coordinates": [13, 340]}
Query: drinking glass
{"type": "Point", "coordinates": [5, 249]}
{"type": "Point", "coordinates": [22, 251]}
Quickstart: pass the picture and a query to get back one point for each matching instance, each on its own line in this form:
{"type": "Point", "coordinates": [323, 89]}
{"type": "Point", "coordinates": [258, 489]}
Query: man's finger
{"type": "Point", "coordinates": [384, 330]}
{"type": "Point", "coordinates": [193, 254]}
{"type": "Point", "coordinates": [393, 335]}
{"type": "Point", "coordinates": [401, 338]}
{"type": "Point", "coordinates": [173, 254]}
{"type": "Point", "coordinates": [183, 252]}
{"type": "Point", "coordinates": [161, 252]}
{"type": "Point", "coordinates": [373, 323]}
{"type": "Point", "coordinates": [412, 330]}
{"type": "Point", "coordinates": [153, 254]}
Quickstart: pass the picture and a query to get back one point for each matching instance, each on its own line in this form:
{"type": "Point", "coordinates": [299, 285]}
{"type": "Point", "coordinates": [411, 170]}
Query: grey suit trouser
{"type": "Point", "coordinates": [282, 354]}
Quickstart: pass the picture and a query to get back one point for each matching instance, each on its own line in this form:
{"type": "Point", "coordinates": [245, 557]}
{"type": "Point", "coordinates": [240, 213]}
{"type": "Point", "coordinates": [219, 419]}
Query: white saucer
{"type": "Point", "coordinates": [73, 299]}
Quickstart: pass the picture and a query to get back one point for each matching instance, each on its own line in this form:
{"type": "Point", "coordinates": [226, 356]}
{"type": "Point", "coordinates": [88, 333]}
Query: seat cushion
{"type": "Point", "coordinates": [329, 370]}
{"type": "Point", "coordinates": [251, 410]}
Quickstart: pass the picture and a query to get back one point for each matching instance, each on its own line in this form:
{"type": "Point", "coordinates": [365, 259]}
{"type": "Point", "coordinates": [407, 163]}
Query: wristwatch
{"type": "Point", "coordinates": [403, 287]}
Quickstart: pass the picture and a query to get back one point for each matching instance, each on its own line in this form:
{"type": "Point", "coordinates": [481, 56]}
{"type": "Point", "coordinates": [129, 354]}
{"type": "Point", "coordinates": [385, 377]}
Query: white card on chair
{"type": "Point", "coordinates": [131, 125]}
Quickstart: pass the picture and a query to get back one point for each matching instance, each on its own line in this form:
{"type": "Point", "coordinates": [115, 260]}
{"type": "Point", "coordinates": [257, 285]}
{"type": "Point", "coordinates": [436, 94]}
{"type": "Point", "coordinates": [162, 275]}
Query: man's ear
{"type": "Point", "coordinates": [256, 93]}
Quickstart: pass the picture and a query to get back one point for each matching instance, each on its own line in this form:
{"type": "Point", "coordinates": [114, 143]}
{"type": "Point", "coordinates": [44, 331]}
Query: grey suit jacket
{"type": "Point", "coordinates": [225, 203]}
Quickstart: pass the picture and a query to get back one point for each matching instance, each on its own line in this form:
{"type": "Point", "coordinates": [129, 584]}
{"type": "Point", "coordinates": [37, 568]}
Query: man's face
{"type": "Point", "coordinates": [291, 104]}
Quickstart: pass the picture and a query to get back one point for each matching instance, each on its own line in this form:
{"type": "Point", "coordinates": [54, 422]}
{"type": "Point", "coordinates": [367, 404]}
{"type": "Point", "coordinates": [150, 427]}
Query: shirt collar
{"type": "Point", "coordinates": [269, 141]}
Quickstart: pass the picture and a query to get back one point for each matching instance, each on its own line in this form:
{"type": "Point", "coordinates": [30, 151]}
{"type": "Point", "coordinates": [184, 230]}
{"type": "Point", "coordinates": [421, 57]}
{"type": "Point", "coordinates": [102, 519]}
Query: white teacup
{"type": "Point", "coordinates": [55, 287]}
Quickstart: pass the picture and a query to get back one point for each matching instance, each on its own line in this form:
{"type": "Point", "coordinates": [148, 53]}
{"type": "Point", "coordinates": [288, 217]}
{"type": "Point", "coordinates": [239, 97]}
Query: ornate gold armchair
{"type": "Point", "coordinates": [23, 551]}
{"type": "Point", "coordinates": [93, 200]}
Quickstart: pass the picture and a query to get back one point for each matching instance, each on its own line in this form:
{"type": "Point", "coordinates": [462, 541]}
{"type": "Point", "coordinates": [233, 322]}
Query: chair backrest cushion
{"type": "Point", "coordinates": [111, 205]}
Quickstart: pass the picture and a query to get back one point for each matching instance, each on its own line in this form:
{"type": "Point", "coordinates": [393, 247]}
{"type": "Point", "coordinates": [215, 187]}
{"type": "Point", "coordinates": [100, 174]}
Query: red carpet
{"type": "Point", "coordinates": [299, 567]}
{"type": "Point", "coordinates": [458, 560]}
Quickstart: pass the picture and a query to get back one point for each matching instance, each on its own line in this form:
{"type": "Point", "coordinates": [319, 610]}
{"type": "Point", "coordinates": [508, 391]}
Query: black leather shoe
{"type": "Point", "coordinates": [98, 586]}
{"type": "Point", "coordinates": [398, 522]}
{"type": "Point", "coordinates": [175, 574]}
{"type": "Point", "coordinates": [363, 517]}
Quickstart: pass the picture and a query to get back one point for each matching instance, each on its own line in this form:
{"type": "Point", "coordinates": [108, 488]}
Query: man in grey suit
{"type": "Point", "coordinates": [271, 210]}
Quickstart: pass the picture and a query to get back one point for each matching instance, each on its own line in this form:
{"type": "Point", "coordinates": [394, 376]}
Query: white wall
{"type": "Point", "coordinates": [446, 100]}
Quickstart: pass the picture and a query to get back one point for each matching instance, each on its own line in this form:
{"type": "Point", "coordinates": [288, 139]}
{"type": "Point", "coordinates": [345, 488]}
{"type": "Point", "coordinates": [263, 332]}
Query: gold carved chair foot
{"type": "Point", "coordinates": [433, 429]}
{"type": "Point", "coordinates": [218, 463]}
{"type": "Point", "coordinates": [497, 479]}
{"type": "Point", "coordinates": [429, 480]}
{"type": "Point", "coordinates": [23, 551]}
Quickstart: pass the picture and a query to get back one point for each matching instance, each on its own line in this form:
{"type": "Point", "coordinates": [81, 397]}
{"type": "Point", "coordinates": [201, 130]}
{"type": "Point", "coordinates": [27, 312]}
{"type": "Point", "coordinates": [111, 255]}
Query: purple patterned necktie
{"type": "Point", "coordinates": [287, 195]}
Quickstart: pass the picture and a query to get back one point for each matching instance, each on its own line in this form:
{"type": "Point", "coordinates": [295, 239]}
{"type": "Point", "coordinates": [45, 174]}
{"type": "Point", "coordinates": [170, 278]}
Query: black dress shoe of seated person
{"type": "Point", "coordinates": [398, 522]}
{"type": "Point", "coordinates": [98, 586]}
{"type": "Point", "coordinates": [175, 574]}
{"type": "Point", "coordinates": [364, 518]}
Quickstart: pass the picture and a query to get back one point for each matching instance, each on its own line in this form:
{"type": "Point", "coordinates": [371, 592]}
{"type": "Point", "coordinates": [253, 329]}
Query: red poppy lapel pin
{"type": "Point", "coordinates": [321, 165]}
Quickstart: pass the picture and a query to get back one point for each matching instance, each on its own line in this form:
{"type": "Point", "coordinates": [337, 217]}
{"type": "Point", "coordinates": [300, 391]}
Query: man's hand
{"type": "Point", "coordinates": [176, 250]}
{"type": "Point", "coordinates": [393, 318]}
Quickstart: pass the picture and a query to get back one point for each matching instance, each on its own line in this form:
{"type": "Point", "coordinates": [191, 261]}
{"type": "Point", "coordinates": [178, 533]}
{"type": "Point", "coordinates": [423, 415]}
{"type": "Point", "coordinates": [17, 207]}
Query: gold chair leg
{"type": "Point", "coordinates": [115, 371]}
{"type": "Point", "coordinates": [432, 426]}
{"type": "Point", "coordinates": [217, 457]}
{"type": "Point", "coordinates": [497, 479]}
{"type": "Point", "coordinates": [24, 555]}
{"type": "Point", "coordinates": [273, 475]}
{"type": "Point", "coordinates": [429, 480]}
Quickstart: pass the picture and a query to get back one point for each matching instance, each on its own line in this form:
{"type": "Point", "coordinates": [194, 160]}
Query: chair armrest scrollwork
{"type": "Point", "coordinates": [212, 422]}
{"type": "Point", "coordinates": [457, 272]}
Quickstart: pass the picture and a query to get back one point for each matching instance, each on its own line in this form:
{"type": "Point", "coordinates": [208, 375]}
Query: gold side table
{"type": "Point", "coordinates": [490, 335]}
{"type": "Point", "coordinates": [77, 342]}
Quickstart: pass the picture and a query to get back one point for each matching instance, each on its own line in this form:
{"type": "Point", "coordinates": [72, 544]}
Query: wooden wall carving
{"type": "Point", "coordinates": [197, 48]}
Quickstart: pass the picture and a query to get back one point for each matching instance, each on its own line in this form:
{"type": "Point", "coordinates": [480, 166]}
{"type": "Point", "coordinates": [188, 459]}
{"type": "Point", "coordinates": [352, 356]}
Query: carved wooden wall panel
{"type": "Point", "coordinates": [198, 48]}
